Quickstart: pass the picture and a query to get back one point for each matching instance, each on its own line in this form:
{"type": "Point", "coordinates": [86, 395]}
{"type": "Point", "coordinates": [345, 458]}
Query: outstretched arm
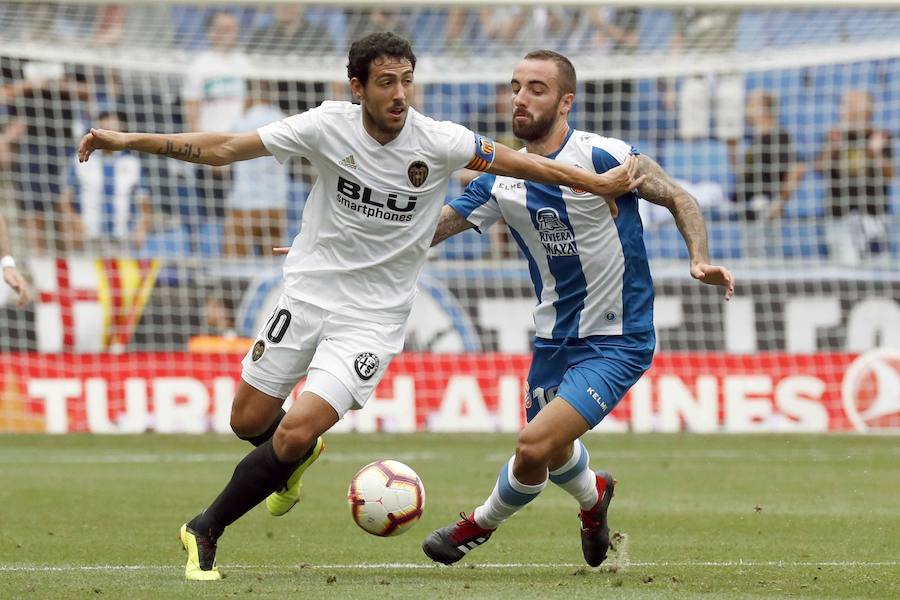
{"type": "Point", "coordinates": [660, 189]}
{"type": "Point", "coordinates": [608, 185]}
{"type": "Point", "coordinates": [449, 224]}
{"type": "Point", "coordinates": [216, 149]}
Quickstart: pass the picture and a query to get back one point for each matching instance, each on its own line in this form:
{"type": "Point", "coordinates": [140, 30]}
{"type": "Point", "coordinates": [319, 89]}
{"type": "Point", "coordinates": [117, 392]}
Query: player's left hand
{"type": "Point", "coordinates": [714, 275]}
{"type": "Point", "coordinates": [14, 279]}
{"type": "Point", "coordinates": [281, 249]}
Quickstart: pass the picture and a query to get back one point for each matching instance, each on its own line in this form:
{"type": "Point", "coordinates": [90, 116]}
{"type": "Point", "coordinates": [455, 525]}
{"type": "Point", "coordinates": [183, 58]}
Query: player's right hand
{"type": "Point", "coordinates": [621, 180]}
{"type": "Point", "coordinates": [281, 249]}
{"type": "Point", "coordinates": [100, 139]}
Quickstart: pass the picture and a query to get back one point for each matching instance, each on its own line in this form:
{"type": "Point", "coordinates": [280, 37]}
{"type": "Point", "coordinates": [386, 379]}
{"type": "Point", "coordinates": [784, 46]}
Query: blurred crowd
{"type": "Point", "coordinates": [147, 206]}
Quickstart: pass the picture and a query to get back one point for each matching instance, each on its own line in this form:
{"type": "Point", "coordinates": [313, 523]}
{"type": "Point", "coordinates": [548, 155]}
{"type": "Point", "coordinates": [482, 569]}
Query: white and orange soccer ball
{"type": "Point", "coordinates": [386, 498]}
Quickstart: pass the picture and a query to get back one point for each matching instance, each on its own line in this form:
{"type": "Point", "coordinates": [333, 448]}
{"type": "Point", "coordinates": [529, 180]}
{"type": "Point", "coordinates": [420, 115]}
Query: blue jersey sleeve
{"type": "Point", "coordinates": [607, 153]}
{"type": "Point", "coordinates": [478, 204]}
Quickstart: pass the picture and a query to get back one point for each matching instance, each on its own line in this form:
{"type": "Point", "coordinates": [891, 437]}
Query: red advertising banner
{"type": "Point", "coordinates": [184, 392]}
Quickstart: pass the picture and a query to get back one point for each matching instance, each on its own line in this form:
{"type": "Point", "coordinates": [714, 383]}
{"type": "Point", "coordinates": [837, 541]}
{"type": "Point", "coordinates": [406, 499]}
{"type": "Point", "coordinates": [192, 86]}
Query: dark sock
{"type": "Point", "coordinates": [258, 440]}
{"type": "Point", "coordinates": [259, 474]}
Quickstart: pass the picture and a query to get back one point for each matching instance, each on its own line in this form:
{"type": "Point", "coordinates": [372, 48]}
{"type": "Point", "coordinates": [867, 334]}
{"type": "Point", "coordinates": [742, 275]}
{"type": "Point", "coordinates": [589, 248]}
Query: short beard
{"type": "Point", "coordinates": [536, 130]}
{"type": "Point", "coordinates": [382, 124]}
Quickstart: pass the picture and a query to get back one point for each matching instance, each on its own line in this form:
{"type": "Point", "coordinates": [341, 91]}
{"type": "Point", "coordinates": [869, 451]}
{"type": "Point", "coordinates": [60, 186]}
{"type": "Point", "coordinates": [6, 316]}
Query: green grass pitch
{"type": "Point", "coordinates": [701, 517]}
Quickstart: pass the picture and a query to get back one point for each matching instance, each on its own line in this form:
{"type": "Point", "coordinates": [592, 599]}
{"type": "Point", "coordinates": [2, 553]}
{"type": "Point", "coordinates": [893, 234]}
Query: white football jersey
{"type": "Point", "coordinates": [370, 217]}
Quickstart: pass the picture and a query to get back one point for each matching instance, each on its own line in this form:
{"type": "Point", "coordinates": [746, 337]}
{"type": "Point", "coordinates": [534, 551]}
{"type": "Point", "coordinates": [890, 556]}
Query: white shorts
{"type": "Point", "coordinates": [301, 338]}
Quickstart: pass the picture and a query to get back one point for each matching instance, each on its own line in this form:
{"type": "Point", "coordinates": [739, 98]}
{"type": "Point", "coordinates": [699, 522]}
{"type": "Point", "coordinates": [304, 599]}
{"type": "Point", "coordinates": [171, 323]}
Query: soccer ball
{"type": "Point", "coordinates": [386, 498]}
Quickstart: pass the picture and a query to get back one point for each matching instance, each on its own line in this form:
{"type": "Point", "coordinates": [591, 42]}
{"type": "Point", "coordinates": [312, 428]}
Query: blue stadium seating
{"type": "Point", "coordinates": [467, 245]}
{"type": "Point", "coordinates": [802, 239]}
{"type": "Point", "coordinates": [887, 99]}
{"type": "Point", "coordinates": [173, 243]}
{"type": "Point", "coordinates": [752, 31]}
{"type": "Point", "coordinates": [894, 194]}
{"type": "Point", "coordinates": [698, 160]}
{"type": "Point", "coordinates": [656, 29]}
{"type": "Point", "coordinates": [665, 242]}
{"type": "Point", "coordinates": [894, 235]}
{"type": "Point", "coordinates": [209, 239]}
{"type": "Point", "coordinates": [809, 199]}
{"type": "Point", "coordinates": [649, 115]}
{"type": "Point", "coordinates": [645, 147]}
{"type": "Point", "coordinates": [726, 240]}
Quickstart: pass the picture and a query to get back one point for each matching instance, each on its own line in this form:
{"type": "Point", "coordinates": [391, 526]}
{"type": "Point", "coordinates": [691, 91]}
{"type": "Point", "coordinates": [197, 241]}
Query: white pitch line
{"type": "Point", "coordinates": [415, 566]}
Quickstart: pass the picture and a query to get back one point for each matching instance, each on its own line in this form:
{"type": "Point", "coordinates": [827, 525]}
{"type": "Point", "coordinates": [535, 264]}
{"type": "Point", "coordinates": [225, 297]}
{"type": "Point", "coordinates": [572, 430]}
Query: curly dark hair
{"type": "Point", "coordinates": [376, 45]}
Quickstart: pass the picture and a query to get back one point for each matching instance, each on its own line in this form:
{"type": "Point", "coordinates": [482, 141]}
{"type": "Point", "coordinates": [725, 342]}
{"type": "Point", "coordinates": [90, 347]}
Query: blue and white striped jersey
{"type": "Point", "coordinates": [590, 271]}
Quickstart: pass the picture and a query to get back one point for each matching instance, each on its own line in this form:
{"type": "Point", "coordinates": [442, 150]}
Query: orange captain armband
{"type": "Point", "coordinates": [484, 154]}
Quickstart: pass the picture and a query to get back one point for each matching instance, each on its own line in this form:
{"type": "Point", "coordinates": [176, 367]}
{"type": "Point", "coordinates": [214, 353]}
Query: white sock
{"type": "Point", "coordinates": [507, 498]}
{"type": "Point", "coordinates": [576, 477]}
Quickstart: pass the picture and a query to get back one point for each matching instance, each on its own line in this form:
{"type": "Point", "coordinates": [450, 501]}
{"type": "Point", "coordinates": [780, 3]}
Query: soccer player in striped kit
{"type": "Point", "coordinates": [350, 275]}
{"type": "Point", "coordinates": [594, 317]}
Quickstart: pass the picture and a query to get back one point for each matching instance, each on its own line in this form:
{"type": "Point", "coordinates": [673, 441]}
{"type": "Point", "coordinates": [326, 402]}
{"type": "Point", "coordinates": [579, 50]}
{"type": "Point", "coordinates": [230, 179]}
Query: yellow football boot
{"type": "Point", "coordinates": [201, 551]}
{"type": "Point", "coordinates": [280, 502]}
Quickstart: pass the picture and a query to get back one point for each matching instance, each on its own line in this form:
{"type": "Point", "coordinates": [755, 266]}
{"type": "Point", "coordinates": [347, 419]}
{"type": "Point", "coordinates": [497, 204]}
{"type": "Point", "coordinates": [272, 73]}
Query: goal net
{"type": "Point", "coordinates": [151, 277]}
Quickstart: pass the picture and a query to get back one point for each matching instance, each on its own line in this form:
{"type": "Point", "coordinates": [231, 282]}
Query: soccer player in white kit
{"type": "Point", "coordinates": [350, 276]}
{"type": "Point", "coordinates": [594, 334]}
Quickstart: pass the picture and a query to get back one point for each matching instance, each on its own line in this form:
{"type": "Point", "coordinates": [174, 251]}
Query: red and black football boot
{"type": "Point", "coordinates": [449, 544]}
{"type": "Point", "coordinates": [594, 527]}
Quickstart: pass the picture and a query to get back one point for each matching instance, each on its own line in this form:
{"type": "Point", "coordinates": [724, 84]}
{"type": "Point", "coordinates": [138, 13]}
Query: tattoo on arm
{"type": "Point", "coordinates": [184, 152]}
{"type": "Point", "coordinates": [660, 189]}
{"type": "Point", "coordinates": [449, 224]}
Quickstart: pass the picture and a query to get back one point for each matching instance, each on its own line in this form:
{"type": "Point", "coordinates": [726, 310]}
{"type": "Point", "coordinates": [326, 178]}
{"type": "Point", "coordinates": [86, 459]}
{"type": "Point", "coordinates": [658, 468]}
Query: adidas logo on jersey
{"type": "Point", "coordinates": [348, 162]}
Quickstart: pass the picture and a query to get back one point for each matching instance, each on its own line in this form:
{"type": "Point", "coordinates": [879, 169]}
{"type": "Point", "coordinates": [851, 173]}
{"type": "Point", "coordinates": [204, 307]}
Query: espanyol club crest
{"type": "Point", "coordinates": [579, 191]}
{"type": "Point", "coordinates": [366, 365]}
{"type": "Point", "coordinates": [417, 173]}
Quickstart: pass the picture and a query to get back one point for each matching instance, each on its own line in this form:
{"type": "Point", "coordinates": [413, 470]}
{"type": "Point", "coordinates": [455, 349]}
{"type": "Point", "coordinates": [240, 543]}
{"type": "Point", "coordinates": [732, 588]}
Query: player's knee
{"type": "Point", "coordinates": [293, 441]}
{"type": "Point", "coordinates": [533, 451]}
{"type": "Point", "coordinates": [246, 423]}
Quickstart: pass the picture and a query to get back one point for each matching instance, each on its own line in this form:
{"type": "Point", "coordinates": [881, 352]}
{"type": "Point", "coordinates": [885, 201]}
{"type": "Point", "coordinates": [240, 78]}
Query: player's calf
{"type": "Point", "coordinates": [281, 501]}
{"type": "Point", "coordinates": [449, 544]}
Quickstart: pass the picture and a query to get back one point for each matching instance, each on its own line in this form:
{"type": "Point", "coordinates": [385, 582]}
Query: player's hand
{"type": "Point", "coordinates": [620, 180]}
{"type": "Point", "coordinates": [100, 139]}
{"type": "Point", "coordinates": [14, 279]}
{"type": "Point", "coordinates": [281, 249]}
{"type": "Point", "coordinates": [714, 275]}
